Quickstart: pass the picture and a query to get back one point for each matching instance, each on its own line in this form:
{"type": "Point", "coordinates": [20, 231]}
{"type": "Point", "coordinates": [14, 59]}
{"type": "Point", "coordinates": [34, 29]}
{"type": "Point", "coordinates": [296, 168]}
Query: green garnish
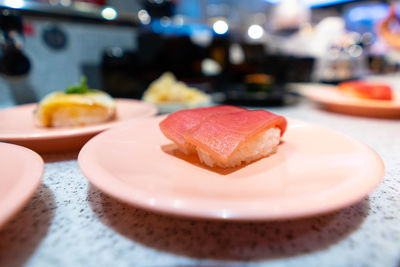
{"type": "Point", "coordinates": [81, 88]}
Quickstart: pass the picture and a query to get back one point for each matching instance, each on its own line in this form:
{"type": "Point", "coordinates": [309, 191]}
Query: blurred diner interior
{"type": "Point", "coordinates": [249, 53]}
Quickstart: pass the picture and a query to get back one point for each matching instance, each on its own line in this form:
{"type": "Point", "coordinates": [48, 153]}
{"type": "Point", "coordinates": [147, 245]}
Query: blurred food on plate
{"type": "Point", "coordinates": [76, 106]}
{"type": "Point", "coordinates": [367, 90]}
{"type": "Point", "coordinates": [167, 90]}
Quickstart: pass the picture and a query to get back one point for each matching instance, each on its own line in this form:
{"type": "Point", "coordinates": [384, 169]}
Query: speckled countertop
{"type": "Point", "coordinates": [70, 223]}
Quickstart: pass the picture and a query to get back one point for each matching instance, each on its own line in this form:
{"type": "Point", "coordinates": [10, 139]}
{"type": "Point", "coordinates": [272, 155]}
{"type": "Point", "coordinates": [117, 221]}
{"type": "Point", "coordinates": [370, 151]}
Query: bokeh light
{"type": "Point", "coordinates": [109, 13]}
{"type": "Point", "coordinates": [255, 31]}
{"type": "Point", "coordinates": [220, 27]}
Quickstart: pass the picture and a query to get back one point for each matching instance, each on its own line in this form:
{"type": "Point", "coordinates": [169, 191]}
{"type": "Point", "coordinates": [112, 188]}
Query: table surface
{"type": "Point", "coordinates": [70, 223]}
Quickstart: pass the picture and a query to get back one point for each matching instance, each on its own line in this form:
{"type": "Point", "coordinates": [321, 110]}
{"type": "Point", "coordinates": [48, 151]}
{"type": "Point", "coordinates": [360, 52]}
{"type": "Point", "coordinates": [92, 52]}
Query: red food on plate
{"type": "Point", "coordinates": [180, 122]}
{"type": "Point", "coordinates": [225, 139]}
{"type": "Point", "coordinates": [367, 90]}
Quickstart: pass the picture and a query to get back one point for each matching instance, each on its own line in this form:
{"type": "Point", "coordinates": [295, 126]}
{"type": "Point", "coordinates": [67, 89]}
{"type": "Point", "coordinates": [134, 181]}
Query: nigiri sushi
{"type": "Point", "coordinates": [367, 90]}
{"type": "Point", "coordinates": [226, 139]}
{"type": "Point", "coordinates": [78, 106]}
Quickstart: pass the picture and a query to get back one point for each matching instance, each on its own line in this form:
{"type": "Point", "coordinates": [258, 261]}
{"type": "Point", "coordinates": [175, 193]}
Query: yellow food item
{"type": "Point", "coordinates": [75, 109]}
{"type": "Point", "coordinates": [167, 89]}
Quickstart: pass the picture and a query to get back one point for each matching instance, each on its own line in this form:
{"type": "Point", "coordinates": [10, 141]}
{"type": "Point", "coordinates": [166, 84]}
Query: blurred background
{"type": "Point", "coordinates": [239, 52]}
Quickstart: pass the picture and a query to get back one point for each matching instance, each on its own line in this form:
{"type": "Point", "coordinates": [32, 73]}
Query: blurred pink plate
{"type": "Point", "coordinates": [332, 99]}
{"type": "Point", "coordinates": [316, 170]}
{"type": "Point", "coordinates": [17, 126]}
{"type": "Point", "coordinates": [20, 175]}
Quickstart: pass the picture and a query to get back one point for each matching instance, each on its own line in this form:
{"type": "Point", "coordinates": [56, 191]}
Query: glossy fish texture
{"type": "Point", "coordinates": [218, 131]}
{"type": "Point", "coordinates": [220, 135]}
{"type": "Point", "coordinates": [177, 124]}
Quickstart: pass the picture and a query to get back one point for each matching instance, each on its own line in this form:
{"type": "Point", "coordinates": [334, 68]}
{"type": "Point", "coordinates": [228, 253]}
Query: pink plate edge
{"type": "Point", "coordinates": [20, 195]}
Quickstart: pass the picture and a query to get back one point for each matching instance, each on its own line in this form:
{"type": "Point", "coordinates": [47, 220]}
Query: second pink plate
{"type": "Point", "coordinates": [315, 170]}
{"type": "Point", "coordinates": [332, 99]}
{"type": "Point", "coordinates": [18, 127]}
{"type": "Point", "coordinates": [20, 174]}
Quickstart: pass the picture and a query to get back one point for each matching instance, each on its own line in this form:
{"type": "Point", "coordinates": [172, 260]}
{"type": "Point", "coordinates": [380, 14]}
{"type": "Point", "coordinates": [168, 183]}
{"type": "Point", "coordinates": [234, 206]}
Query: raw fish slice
{"type": "Point", "coordinates": [221, 135]}
{"type": "Point", "coordinates": [177, 124]}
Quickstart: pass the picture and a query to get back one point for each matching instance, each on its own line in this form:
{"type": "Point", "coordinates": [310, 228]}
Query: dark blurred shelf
{"type": "Point", "coordinates": [277, 96]}
{"type": "Point", "coordinates": [76, 12]}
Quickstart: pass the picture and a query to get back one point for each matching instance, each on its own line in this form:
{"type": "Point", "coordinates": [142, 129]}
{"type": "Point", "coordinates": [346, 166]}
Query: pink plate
{"type": "Point", "coordinates": [17, 126]}
{"type": "Point", "coordinates": [315, 170]}
{"type": "Point", "coordinates": [332, 99]}
{"type": "Point", "coordinates": [20, 175]}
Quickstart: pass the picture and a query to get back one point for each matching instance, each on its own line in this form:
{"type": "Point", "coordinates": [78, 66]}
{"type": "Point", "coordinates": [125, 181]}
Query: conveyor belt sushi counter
{"type": "Point", "coordinates": [325, 194]}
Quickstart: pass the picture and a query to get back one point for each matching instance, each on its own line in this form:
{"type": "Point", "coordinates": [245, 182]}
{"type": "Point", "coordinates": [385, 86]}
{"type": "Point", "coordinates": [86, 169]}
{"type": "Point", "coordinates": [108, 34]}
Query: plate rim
{"type": "Point", "coordinates": [67, 132]}
{"type": "Point", "coordinates": [83, 160]}
{"type": "Point", "coordinates": [28, 187]}
{"type": "Point", "coordinates": [350, 101]}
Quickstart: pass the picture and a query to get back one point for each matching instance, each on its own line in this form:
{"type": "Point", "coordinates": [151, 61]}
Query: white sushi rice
{"type": "Point", "coordinates": [259, 146]}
